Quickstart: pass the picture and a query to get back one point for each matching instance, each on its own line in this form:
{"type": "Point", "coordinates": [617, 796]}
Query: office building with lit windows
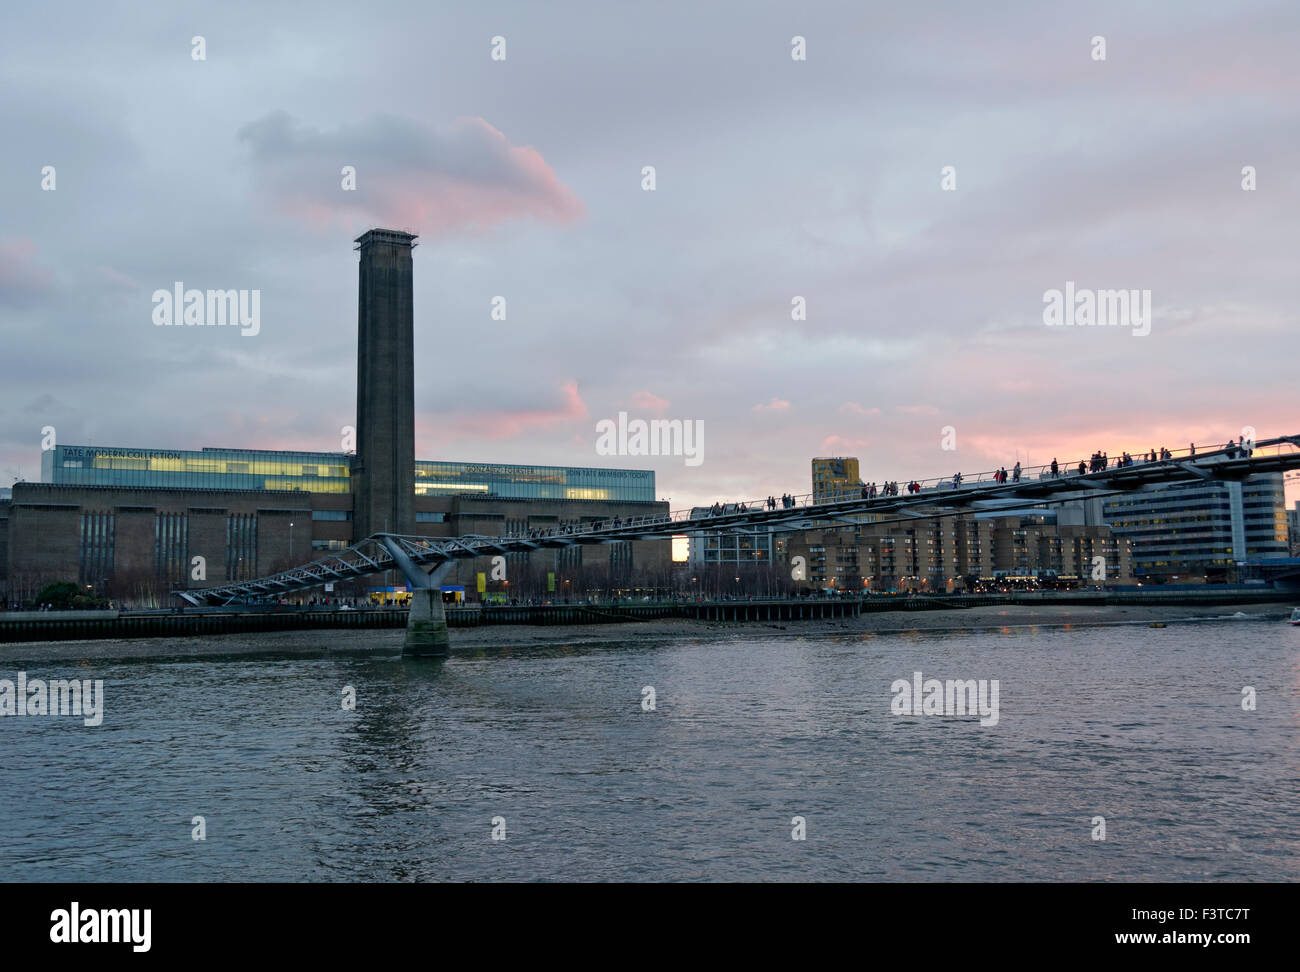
{"type": "Point", "coordinates": [330, 472]}
{"type": "Point", "coordinates": [1198, 532]}
{"type": "Point", "coordinates": [952, 554]}
{"type": "Point", "coordinates": [136, 516]}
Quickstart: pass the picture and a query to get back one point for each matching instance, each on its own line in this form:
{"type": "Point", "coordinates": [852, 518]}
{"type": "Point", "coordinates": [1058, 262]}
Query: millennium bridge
{"type": "Point", "coordinates": [425, 561]}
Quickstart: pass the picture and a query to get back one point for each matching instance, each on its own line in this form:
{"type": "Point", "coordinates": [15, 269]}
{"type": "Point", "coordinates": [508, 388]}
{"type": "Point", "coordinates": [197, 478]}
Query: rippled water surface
{"type": "Point", "coordinates": [1142, 726]}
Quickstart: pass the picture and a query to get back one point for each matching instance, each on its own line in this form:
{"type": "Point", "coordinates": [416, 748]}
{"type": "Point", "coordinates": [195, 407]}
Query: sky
{"type": "Point", "coordinates": [775, 178]}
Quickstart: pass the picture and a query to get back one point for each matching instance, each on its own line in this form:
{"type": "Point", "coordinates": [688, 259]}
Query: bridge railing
{"type": "Point", "coordinates": [937, 487]}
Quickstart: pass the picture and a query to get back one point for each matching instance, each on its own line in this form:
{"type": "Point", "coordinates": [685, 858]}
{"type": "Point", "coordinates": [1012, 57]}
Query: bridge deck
{"type": "Point", "coordinates": [980, 492]}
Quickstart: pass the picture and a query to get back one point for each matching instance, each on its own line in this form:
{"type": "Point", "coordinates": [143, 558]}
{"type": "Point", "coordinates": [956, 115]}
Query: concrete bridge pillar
{"type": "Point", "coordinates": [426, 626]}
{"type": "Point", "coordinates": [426, 623]}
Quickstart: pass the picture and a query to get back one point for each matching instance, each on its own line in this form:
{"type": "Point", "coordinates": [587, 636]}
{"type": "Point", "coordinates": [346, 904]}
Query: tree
{"type": "Point", "coordinates": [58, 595]}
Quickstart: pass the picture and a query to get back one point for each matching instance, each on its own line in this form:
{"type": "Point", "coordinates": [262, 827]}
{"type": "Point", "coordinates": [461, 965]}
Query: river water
{"type": "Point", "coordinates": [555, 750]}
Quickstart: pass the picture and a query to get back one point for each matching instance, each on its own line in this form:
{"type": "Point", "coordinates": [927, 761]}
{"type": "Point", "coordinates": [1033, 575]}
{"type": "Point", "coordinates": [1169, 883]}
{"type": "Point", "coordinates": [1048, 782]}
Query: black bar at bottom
{"type": "Point", "coordinates": [335, 921]}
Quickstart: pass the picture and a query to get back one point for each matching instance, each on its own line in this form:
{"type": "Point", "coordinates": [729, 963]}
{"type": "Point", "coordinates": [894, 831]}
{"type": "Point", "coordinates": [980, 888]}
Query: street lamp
{"type": "Point", "coordinates": [291, 541]}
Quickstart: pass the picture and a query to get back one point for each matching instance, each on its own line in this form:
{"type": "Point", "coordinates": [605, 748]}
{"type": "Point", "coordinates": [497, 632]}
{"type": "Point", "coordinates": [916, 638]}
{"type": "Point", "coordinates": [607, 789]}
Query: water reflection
{"type": "Point", "coordinates": [746, 733]}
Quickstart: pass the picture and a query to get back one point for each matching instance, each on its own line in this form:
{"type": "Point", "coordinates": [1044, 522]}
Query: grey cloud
{"type": "Point", "coordinates": [466, 167]}
{"type": "Point", "coordinates": [776, 179]}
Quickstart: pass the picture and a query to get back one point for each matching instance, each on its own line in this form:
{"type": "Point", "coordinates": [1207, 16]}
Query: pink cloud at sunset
{"type": "Point", "coordinates": [467, 176]}
{"type": "Point", "coordinates": [835, 445]}
{"type": "Point", "coordinates": [982, 452]}
{"type": "Point", "coordinates": [648, 401]}
{"type": "Point", "coordinates": [21, 278]}
{"type": "Point", "coordinates": [506, 423]}
{"type": "Point", "coordinates": [853, 408]}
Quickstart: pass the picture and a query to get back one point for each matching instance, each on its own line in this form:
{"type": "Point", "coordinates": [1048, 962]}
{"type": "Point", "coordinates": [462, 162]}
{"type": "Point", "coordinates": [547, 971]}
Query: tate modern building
{"type": "Point", "coordinates": [124, 519]}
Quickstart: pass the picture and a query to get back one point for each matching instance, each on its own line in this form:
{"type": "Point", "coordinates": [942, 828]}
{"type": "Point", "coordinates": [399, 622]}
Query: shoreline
{"type": "Point", "coordinates": [885, 623]}
{"type": "Point", "coordinates": [388, 642]}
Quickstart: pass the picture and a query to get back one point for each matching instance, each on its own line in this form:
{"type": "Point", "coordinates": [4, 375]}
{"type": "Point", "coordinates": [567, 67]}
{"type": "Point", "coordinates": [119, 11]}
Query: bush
{"type": "Point", "coordinates": [58, 595]}
{"type": "Point", "coordinates": [64, 596]}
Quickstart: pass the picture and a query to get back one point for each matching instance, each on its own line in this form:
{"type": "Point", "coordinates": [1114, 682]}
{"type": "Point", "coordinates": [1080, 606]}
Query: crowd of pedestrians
{"type": "Point", "coordinates": [1099, 461]}
{"type": "Point", "coordinates": [1240, 450]}
{"type": "Point", "coordinates": [1000, 476]}
{"type": "Point", "coordinates": [572, 529]}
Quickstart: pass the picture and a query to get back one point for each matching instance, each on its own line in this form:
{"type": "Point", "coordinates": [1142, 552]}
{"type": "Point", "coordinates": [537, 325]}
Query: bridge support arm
{"type": "Point", "coordinates": [1196, 470]}
{"type": "Point", "coordinates": [426, 623]}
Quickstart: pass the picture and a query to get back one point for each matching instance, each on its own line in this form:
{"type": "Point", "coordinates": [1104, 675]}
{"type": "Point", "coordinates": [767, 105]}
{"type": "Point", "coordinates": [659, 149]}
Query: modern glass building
{"type": "Point", "coordinates": [329, 472]}
{"type": "Point", "coordinates": [311, 472]}
{"type": "Point", "coordinates": [534, 482]}
{"type": "Point", "coordinates": [1201, 529]}
{"type": "Point", "coordinates": [725, 547]}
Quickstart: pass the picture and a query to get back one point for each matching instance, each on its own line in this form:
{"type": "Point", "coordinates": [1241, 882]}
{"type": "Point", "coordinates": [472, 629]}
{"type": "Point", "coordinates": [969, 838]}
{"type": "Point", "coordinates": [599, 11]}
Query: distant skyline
{"type": "Point", "coordinates": [775, 179]}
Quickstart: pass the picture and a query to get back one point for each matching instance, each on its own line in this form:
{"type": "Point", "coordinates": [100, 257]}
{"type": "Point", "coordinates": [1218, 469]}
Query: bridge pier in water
{"type": "Point", "coordinates": [426, 625]}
